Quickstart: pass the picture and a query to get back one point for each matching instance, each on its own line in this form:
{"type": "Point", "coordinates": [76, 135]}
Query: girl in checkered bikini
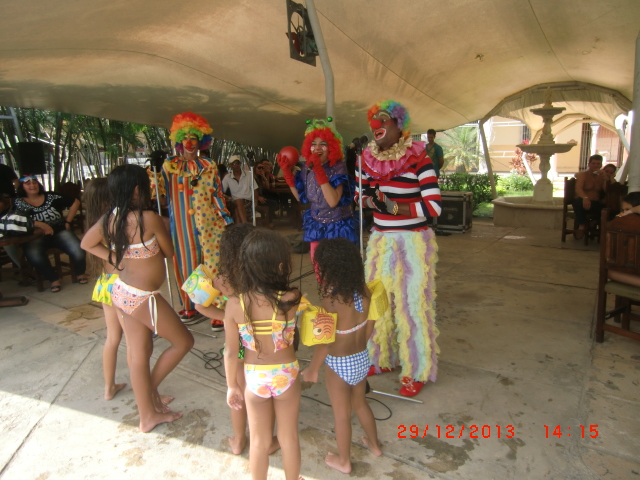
{"type": "Point", "coordinates": [343, 291]}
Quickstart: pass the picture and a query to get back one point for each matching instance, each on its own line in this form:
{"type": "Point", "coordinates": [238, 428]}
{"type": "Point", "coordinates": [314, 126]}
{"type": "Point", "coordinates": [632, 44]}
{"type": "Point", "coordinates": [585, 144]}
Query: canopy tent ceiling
{"type": "Point", "coordinates": [582, 103]}
{"type": "Point", "coordinates": [449, 62]}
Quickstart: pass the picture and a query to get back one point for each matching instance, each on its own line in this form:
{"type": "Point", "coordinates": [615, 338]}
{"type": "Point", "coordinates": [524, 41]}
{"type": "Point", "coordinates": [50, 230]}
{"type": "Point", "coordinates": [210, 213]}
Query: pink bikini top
{"type": "Point", "coordinates": [281, 331]}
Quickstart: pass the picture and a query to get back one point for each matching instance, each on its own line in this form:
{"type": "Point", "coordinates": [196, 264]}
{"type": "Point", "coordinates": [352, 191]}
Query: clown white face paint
{"type": "Point", "coordinates": [320, 148]}
{"type": "Point", "coordinates": [385, 130]}
{"type": "Point", "coordinates": [190, 143]}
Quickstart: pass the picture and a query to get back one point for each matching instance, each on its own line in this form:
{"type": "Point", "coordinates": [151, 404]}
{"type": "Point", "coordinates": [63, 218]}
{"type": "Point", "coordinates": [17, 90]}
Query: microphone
{"type": "Point", "coordinates": [364, 140]}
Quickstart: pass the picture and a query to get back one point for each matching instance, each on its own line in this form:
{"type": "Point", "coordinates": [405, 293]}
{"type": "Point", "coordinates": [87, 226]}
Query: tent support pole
{"type": "Point", "coordinates": [634, 153]}
{"type": "Point", "coordinates": [324, 58]}
{"type": "Point", "coordinates": [487, 160]}
{"type": "Point", "coordinates": [622, 171]}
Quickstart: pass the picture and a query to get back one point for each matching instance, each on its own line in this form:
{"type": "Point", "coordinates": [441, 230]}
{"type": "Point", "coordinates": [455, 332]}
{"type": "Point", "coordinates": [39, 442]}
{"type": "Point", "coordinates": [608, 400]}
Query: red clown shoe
{"type": "Point", "coordinates": [372, 371]}
{"type": "Point", "coordinates": [410, 388]}
{"type": "Point", "coordinates": [188, 314]}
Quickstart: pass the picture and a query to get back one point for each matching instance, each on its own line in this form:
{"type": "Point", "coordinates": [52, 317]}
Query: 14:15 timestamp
{"type": "Point", "coordinates": [557, 431]}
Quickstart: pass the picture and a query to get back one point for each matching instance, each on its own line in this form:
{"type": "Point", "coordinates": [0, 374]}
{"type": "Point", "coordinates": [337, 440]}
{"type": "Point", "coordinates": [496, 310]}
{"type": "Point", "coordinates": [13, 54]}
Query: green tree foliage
{"type": "Point", "coordinates": [461, 148]}
{"type": "Point", "coordinates": [75, 144]}
{"type": "Point", "coordinates": [477, 184]}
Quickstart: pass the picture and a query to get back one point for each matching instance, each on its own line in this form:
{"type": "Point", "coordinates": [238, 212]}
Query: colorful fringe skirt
{"type": "Point", "coordinates": [407, 332]}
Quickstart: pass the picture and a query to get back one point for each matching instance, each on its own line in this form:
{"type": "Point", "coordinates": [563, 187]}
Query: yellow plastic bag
{"type": "Point", "coordinates": [317, 326]}
{"type": "Point", "coordinates": [199, 287]}
{"type": "Point", "coordinates": [379, 300]}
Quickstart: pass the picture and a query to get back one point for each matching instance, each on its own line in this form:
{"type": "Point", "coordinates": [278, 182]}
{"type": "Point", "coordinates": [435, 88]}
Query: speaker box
{"type": "Point", "coordinates": [457, 212]}
{"type": "Point", "coordinates": [31, 158]}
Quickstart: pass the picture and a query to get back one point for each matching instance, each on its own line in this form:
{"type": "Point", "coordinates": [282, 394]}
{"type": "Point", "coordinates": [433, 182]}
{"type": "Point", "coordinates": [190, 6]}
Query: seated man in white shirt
{"type": "Point", "coordinates": [240, 183]}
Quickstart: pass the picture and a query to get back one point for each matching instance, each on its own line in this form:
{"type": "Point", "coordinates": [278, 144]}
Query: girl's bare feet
{"type": "Point", "coordinates": [158, 404]}
{"type": "Point", "coordinates": [237, 445]}
{"type": "Point", "coordinates": [375, 449]}
{"type": "Point", "coordinates": [275, 445]}
{"type": "Point", "coordinates": [110, 392]}
{"type": "Point", "coordinates": [166, 399]}
{"type": "Point", "coordinates": [332, 460]}
{"type": "Point", "coordinates": [149, 424]}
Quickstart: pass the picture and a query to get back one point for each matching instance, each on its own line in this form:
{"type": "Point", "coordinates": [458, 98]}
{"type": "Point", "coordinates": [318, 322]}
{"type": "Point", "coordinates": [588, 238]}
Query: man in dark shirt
{"type": "Point", "coordinates": [8, 181]}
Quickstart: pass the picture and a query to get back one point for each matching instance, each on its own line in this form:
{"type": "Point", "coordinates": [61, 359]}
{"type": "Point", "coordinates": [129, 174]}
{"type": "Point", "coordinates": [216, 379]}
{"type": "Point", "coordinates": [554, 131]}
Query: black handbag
{"type": "Point", "coordinates": [16, 223]}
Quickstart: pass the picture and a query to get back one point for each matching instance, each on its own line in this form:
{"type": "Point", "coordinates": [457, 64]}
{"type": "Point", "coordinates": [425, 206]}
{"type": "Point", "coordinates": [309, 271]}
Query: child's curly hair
{"type": "Point", "coordinates": [340, 270]}
{"type": "Point", "coordinates": [230, 243]}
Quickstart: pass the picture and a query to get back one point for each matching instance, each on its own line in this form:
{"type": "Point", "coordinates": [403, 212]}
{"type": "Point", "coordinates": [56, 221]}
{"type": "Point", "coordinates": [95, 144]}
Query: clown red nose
{"type": "Point", "coordinates": [375, 124]}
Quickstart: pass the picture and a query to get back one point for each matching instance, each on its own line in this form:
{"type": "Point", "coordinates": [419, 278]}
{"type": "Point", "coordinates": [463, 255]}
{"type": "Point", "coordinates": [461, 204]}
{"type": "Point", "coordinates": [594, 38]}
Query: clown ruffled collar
{"type": "Point", "coordinates": [187, 168]}
{"type": "Point", "coordinates": [396, 152]}
{"type": "Point", "coordinates": [388, 163]}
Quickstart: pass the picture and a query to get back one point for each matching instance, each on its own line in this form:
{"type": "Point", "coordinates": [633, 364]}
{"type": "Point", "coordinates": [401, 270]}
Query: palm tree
{"type": "Point", "coordinates": [461, 148]}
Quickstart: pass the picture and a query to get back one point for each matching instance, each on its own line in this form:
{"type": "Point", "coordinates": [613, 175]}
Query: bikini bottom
{"type": "Point", "coordinates": [270, 380]}
{"type": "Point", "coordinates": [128, 298]}
{"type": "Point", "coordinates": [352, 369]}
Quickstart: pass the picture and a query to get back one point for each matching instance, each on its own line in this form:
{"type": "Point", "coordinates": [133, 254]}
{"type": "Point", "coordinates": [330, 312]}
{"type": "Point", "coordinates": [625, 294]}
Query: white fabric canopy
{"type": "Point", "coordinates": [449, 62]}
{"type": "Point", "coordinates": [582, 102]}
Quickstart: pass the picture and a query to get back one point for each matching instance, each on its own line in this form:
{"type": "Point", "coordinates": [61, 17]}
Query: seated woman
{"type": "Point", "coordinates": [46, 210]}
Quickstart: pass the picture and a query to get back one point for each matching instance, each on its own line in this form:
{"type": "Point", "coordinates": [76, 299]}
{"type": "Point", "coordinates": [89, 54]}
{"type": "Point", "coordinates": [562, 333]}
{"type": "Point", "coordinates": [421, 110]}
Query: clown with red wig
{"type": "Point", "coordinates": [197, 210]}
{"type": "Point", "coordinates": [323, 182]}
{"type": "Point", "coordinates": [400, 185]}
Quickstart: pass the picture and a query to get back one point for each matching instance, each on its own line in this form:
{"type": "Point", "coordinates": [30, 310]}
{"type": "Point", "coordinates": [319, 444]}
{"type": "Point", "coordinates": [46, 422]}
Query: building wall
{"type": "Point", "coordinates": [506, 133]}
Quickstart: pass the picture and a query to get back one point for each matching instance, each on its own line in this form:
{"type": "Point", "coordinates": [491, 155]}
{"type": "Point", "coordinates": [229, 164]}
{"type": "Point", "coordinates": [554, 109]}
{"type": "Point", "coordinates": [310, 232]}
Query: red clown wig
{"type": "Point", "coordinates": [323, 130]}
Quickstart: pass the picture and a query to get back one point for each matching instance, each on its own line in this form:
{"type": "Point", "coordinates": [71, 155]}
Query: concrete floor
{"type": "Point", "coordinates": [515, 312]}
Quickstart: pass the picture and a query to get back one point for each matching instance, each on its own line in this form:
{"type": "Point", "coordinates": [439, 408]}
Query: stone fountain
{"type": "Point", "coordinates": [539, 211]}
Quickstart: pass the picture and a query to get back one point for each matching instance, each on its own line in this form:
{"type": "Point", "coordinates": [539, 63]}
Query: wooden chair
{"type": "Point", "coordinates": [620, 259]}
{"type": "Point", "coordinates": [567, 207]}
{"type": "Point", "coordinates": [568, 215]}
{"type": "Point", "coordinates": [613, 198]}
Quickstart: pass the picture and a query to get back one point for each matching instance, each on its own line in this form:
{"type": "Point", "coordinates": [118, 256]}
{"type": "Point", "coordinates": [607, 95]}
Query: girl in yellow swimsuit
{"type": "Point", "coordinates": [140, 242]}
{"type": "Point", "coordinates": [261, 316]}
{"type": "Point", "coordinates": [96, 201]}
{"type": "Point", "coordinates": [226, 283]}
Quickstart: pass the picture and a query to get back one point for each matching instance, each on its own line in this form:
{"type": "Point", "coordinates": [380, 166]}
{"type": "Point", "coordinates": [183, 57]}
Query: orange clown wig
{"type": "Point", "coordinates": [324, 130]}
{"type": "Point", "coordinates": [189, 123]}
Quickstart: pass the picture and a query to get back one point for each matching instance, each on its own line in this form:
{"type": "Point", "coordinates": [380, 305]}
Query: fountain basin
{"type": "Point", "coordinates": [547, 149]}
{"type": "Point", "coordinates": [523, 212]}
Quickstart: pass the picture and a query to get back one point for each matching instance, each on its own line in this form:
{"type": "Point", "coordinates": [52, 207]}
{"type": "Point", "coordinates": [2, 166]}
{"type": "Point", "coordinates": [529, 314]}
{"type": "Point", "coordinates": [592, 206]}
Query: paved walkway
{"type": "Point", "coordinates": [515, 309]}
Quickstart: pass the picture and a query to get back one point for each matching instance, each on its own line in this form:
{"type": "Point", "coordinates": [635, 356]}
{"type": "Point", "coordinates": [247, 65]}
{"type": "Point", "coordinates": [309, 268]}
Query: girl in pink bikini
{"type": "Point", "coordinates": [139, 243]}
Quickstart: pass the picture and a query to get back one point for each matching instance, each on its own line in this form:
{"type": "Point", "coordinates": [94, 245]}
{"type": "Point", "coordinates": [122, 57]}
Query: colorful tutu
{"type": "Point", "coordinates": [102, 290]}
{"type": "Point", "coordinates": [405, 263]}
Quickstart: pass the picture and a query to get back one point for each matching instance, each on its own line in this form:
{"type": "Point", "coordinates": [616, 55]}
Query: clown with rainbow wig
{"type": "Point", "coordinates": [323, 182]}
{"type": "Point", "coordinates": [197, 211]}
{"type": "Point", "coordinates": [400, 185]}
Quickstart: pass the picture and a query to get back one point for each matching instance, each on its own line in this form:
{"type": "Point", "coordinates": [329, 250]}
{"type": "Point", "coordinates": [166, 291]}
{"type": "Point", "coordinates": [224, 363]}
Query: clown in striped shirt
{"type": "Point", "coordinates": [400, 185]}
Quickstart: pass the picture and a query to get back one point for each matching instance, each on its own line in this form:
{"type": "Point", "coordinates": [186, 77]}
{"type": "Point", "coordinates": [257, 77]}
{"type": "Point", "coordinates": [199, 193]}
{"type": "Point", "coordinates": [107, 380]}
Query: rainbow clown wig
{"type": "Point", "coordinates": [190, 123]}
{"type": "Point", "coordinates": [397, 111]}
{"type": "Point", "coordinates": [323, 129]}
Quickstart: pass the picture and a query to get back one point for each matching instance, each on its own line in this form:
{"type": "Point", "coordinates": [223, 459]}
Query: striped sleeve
{"type": "Point", "coordinates": [431, 204]}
